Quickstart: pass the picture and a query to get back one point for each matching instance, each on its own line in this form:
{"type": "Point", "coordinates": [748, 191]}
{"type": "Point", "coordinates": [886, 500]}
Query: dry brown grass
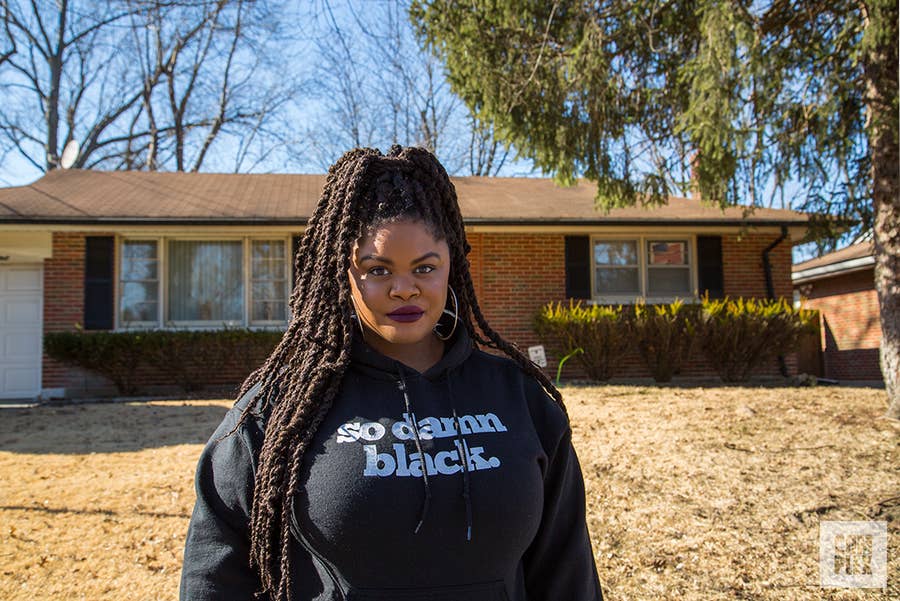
{"type": "Point", "coordinates": [692, 493]}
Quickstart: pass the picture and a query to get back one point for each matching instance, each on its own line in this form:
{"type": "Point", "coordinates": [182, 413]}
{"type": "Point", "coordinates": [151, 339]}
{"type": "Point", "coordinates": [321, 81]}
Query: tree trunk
{"type": "Point", "coordinates": [51, 111]}
{"type": "Point", "coordinates": [887, 274]}
{"type": "Point", "coordinates": [880, 61]}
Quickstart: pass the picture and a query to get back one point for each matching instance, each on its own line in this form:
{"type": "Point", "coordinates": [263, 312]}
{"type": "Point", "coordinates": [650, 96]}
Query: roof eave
{"type": "Point", "coordinates": [826, 271]}
{"type": "Point", "coordinates": [491, 222]}
{"type": "Point", "coordinates": [129, 221]}
{"type": "Point", "coordinates": [634, 222]}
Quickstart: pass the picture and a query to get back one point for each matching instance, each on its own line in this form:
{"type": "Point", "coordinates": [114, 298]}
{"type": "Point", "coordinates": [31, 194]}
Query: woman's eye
{"type": "Point", "coordinates": [424, 269]}
{"type": "Point", "coordinates": [378, 271]}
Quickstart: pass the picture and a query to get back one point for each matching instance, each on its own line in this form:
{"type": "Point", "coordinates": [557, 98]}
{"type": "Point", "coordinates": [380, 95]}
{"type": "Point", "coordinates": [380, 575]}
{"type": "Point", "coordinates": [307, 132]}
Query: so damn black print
{"type": "Point", "coordinates": [398, 462]}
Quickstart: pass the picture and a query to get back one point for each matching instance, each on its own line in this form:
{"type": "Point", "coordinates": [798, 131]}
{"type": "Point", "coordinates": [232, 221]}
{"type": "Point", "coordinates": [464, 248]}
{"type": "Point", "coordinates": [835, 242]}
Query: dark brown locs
{"type": "Point", "coordinates": [300, 379]}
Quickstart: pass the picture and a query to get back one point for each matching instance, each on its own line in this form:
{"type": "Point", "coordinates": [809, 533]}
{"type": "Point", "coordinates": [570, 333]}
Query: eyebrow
{"type": "Point", "coordinates": [373, 257]}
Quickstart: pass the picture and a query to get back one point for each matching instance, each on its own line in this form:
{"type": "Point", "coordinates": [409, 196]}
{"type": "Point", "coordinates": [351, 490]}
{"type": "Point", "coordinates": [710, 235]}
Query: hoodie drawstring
{"type": "Point", "coordinates": [464, 459]}
{"type": "Point", "coordinates": [461, 446]}
{"type": "Point", "coordinates": [415, 428]}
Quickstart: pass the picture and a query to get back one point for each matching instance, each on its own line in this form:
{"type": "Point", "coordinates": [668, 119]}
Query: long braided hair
{"type": "Point", "coordinates": [300, 379]}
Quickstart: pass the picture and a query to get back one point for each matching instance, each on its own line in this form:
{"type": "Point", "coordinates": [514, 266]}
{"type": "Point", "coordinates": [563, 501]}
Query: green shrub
{"type": "Point", "coordinates": [177, 356]}
{"type": "Point", "coordinates": [116, 355]}
{"type": "Point", "coordinates": [596, 329]}
{"type": "Point", "coordinates": [189, 358]}
{"type": "Point", "coordinates": [738, 335]}
{"type": "Point", "coordinates": [664, 336]}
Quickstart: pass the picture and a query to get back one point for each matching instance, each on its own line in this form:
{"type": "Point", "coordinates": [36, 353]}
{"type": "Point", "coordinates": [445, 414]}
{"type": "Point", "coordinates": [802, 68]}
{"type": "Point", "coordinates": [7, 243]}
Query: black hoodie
{"type": "Point", "coordinates": [508, 525]}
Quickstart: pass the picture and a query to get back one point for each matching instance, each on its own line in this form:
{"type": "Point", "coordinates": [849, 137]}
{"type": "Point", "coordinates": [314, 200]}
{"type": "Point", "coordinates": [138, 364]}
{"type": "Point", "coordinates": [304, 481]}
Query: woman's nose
{"type": "Point", "coordinates": [404, 287]}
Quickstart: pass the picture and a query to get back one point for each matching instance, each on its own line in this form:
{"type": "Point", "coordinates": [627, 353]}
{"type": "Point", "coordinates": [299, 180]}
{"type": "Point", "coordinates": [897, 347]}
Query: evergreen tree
{"type": "Point", "coordinates": [781, 102]}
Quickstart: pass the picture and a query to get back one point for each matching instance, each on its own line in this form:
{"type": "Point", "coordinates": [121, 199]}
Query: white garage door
{"type": "Point", "coordinates": [20, 331]}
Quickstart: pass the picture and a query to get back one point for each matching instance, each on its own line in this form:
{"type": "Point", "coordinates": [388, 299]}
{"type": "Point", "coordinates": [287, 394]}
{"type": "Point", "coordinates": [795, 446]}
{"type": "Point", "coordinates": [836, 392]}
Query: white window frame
{"type": "Point", "coordinates": [288, 262]}
{"type": "Point", "coordinates": [138, 325]}
{"type": "Point", "coordinates": [643, 241]}
{"type": "Point", "coordinates": [616, 298]}
{"type": "Point", "coordinates": [691, 251]}
{"type": "Point", "coordinates": [163, 275]}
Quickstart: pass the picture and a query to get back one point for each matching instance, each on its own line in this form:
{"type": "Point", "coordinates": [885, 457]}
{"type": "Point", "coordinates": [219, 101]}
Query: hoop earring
{"type": "Point", "coordinates": [454, 313]}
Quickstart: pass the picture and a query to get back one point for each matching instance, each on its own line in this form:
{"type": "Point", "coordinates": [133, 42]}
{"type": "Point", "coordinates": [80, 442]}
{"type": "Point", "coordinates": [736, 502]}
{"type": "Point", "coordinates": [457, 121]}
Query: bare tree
{"type": "Point", "coordinates": [9, 48]}
{"type": "Point", "coordinates": [487, 154]}
{"type": "Point", "coordinates": [347, 97]}
{"type": "Point", "coordinates": [140, 84]}
{"type": "Point", "coordinates": [57, 78]}
{"type": "Point", "coordinates": [410, 82]}
{"type": "Point", "coordinates": [379, 88]}
{"type": "Point", "coordinates": [208, 56]}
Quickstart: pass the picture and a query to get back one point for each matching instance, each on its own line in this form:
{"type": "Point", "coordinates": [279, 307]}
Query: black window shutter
{"type": "Point", "coordinates": [709, 266]}
{"type": "Point", "coordinates": [98, 282]}
{"type": "Point", "coordinates": [295, 246]}
{"type": "Point", "coordinates": [578, 267]}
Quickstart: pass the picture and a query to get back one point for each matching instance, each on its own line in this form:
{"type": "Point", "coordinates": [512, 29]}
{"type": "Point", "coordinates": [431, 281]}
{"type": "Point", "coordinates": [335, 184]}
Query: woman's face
{"type": "Point", "coordinates": [398, 281]}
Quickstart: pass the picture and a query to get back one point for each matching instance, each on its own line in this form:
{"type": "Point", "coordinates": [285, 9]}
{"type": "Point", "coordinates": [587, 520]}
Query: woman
{"type": "Point", "coordinates": [377, 454]}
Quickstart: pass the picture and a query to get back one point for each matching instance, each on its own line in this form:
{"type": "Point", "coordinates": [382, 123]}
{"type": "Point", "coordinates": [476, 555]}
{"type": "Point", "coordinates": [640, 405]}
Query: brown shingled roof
{"type": "Point", "coordinates": [849, 253]}
{"type": "Point", "coordinates": [81, 196]}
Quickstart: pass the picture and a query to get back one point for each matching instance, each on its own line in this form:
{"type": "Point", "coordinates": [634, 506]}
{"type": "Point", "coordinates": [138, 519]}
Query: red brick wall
{"type": "Point", "coordinates": [521, 272]}
{"type": "Point", "coordinates": [476, 261]}
{"type": "Point", "coordinates": [513, 274]}
{"type": "Point", "coordinates": [64, 307]}
{"type": "Point", "coordinates": [64, 283]}
{"type": "Point", "coordinates": [518, 274]}
{"type": "Point", "coordinates": [744, 274]}
{"type": "Point", "coordinates": [851, 327]}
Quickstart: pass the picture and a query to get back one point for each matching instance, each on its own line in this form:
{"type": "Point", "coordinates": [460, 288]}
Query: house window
{"type": "Point", "coordinates": [269, 281]}
{"type": "Point", "coordinates": [668, 268]}
{"type": "Point", "coordinates": [206, 282]}
{"type": "Point", "coordinates": [626, 270]}
{"type": "Point", "coordinates": [139, 296]}
{"type": "Point", "coordinates": [191, 282]}
{"type": "Point", "coordinates": [616, 268]}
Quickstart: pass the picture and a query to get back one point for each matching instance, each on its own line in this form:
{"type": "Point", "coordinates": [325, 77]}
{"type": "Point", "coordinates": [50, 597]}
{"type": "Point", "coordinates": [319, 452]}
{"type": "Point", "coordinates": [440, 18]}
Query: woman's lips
{"type": "Point", "coordinates": [406, 314]}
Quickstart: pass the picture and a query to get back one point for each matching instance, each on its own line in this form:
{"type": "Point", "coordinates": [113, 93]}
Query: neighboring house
{"type": "Point", "coordinates": [125, 250]}
{"type": "Point", "coordinates": [841, 286]}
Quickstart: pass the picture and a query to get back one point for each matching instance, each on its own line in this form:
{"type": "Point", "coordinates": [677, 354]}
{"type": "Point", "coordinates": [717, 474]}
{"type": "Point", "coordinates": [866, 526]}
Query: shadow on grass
{"type": "Point", "coordinates": [107, 427]}
{"type": "Point", "coordinates": [105, 512]}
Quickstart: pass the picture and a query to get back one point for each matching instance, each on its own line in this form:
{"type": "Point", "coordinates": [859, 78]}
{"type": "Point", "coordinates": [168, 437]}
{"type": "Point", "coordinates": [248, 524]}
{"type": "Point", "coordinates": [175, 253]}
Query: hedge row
{"type": "Point", "coordinates": [190, 359]}
{"type": "Point", "coordinates": [736, 336]}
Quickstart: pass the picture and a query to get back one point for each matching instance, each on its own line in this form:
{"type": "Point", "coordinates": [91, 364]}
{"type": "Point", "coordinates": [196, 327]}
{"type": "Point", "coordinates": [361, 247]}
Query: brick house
{"type": "Point", "coordinates": [120, 250]}
{"type": "Point", "coordinates": [841, 286]}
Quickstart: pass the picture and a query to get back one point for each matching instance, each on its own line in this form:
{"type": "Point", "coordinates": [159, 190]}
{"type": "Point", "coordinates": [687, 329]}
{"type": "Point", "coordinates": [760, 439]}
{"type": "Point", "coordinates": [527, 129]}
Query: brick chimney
{"type": "Point", "coordinates": [694, 185]}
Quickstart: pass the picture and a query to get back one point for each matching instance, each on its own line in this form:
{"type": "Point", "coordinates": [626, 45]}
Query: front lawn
{"type": "Point", "coordinates": [692, 493]}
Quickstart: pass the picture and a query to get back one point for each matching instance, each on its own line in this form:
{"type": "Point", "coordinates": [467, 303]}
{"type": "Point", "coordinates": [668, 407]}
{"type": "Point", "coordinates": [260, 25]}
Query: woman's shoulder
{"type": "Point", "coordinates": [236, 434]}
{"type": "Point", "coordinates": [249, 399]}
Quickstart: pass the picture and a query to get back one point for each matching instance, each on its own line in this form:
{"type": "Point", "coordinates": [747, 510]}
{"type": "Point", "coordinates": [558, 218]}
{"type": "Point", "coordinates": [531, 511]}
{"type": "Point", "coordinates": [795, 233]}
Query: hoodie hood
{"type": "Point", "coordinates": [375, 365]}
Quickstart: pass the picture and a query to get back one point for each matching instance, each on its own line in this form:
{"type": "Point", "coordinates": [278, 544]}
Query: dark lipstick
{"type": "Point", "coordinates": [406, 314]}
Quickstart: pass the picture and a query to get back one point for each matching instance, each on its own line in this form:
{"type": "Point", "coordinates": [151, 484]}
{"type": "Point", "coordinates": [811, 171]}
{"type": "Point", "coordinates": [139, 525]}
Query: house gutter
{"type": "Point", "coordinates": [767, 264]}
{"type": "Point", "coordinates": [770, 286]}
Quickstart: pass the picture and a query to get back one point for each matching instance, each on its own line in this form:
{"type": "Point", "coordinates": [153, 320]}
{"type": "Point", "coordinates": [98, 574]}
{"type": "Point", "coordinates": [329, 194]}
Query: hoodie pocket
{"type": "Point", "coordinates": [484, 591]}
